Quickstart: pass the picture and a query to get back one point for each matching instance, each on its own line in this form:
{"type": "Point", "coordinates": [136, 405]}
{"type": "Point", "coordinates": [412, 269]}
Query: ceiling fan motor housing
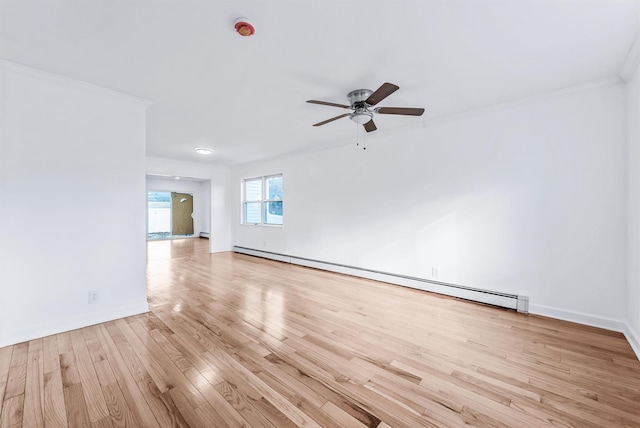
{"type": "Point", "coordinates": [358, 96]}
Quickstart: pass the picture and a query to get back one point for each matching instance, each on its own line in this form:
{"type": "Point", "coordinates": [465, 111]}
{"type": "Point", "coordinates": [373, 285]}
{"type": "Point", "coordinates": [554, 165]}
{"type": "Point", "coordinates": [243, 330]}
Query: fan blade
{"type": "Point", "coordinates": [381, 93]}
{"type": "Point", "coordinates": [324, 103]}
{"type": "Point", "coordinates": [400, 110]}
{"type": "Point", "coordinates": [370, 126]}
{"type": "Point", "coordinates": [332, 119]}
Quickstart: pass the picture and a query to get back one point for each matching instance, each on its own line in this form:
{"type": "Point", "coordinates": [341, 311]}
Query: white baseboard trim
{"type": "Point", "coordinates": [578, 317]}
{"type": "Point", "coordinates": [591, 320]}
{"type": "Point", "coordinates": [509, 301]}
{"type": "Point", "coordinates": [633, 338]}
{"type": "Point", "coordinates": [59, 326]}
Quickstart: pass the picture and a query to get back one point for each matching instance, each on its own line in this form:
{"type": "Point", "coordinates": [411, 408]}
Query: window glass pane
{"type": "Point", "coordinates": [274, 188]}
{"type": "Point", "coordinates": [252, 212]}
{"type": "Point", "coordinates": [253, 190]}
{"type": "Point", "coordinates": [262, 203]}
{"type": "Point", "coordinates": [159, 215]}
{"type": "Point", "coordinates": [273, 212]}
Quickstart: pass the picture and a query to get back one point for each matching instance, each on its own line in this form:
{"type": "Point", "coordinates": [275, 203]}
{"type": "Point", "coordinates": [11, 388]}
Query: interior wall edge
{"type": "Point", "coordinates": [633, 338]}
{"type": "Point", "coordinates": [631, 61]}
{"type": "Point", "coordinates": [216, 248]}
{"type": "Point", "coordinates": [64, 325]}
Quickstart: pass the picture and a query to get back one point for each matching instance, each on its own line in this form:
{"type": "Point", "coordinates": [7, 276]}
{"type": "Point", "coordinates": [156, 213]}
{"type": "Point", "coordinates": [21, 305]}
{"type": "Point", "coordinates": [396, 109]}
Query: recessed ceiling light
{"type": "Point", "coordinates": [176, 177]}
{"type": "Point", "coordinates": [203, 150]}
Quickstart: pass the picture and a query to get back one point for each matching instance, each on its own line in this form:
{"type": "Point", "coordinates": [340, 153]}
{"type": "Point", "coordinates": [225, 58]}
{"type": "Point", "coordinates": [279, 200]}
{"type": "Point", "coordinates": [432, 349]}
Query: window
{"type": "Point", "coordinates": [262, 200]}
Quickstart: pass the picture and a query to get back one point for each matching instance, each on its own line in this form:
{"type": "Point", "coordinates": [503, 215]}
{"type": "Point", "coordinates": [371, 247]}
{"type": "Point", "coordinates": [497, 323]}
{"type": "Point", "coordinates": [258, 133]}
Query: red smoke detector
{"type": "Point", "coordinates": [244, 27]}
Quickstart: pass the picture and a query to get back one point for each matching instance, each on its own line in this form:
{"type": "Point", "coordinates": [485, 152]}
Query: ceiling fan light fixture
{"type": "Point", "coordinates": [361, 117]}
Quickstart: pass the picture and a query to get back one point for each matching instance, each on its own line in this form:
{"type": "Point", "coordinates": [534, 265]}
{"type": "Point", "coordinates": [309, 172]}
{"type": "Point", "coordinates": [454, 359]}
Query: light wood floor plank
{"type": "Point", "coordinates": [55, 415]}
{"type": "Point", "coordinates": [17, 376]}
{"type": "Point", "coordinates": [5, 364]}
{"type": "Point", "coordinates": [118, 408]}
{"type": "Point", "coordinates": [340, 417]}
{"type": "Point", "coordinates": [242, 403]}
{"type": "Point", "coordinates": [233, 340]}
{"type": "Point", "coordinates": [34, 385]}
{"type": "Point", "coordinates": [96, 405]}
{"type": "Point", "coordinates": [228, 415]}
{"type": "Point", "coordinates": [139, 407]}
{"type": "Point", "coordinates": [11, 415]}
{"type": "Point", "coordinates": [77, 414]}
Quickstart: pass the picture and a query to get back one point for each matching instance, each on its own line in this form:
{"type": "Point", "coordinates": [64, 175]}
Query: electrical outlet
{"type": "Point", "coordinates": [94, 296]}
{"type": "Point", "coordinates": [434, 272]}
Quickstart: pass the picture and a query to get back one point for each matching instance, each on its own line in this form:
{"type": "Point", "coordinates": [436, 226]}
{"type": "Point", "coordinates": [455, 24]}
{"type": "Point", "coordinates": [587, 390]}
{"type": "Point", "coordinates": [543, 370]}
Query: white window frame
{"type": "Point", "coordinates": [263, 200]}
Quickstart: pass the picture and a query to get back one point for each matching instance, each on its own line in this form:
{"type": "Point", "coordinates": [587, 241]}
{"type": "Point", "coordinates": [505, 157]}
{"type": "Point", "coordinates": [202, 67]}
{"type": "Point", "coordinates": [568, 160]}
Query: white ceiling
{"type": "Point", "coordinates": [245, 97]}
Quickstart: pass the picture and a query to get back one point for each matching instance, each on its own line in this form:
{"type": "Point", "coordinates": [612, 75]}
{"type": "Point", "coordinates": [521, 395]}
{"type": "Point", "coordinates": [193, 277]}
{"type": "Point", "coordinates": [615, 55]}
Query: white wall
{"type": "Point", "coordinates": [67, 151]}
{"type": "Point", "coordinates": [633, 138]}
{"type": "Point", "coordinates": [201, 191]}
{"type": "Point", "coordinates": [527, 198]}
{"type": "Point", "coordinates": [218, 179]}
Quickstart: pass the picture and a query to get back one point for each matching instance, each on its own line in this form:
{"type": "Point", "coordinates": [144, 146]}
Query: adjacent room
{"type": "Point", "coordinates": [320, 213]}
{"type": "Point", "coordinates": [177, 207]}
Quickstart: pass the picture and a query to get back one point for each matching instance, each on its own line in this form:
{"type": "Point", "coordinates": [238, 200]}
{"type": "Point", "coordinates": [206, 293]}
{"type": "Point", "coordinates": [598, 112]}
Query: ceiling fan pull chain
{"type": "Point", "coordinates": [364, 139]}
{"type": "Point", "coordinates": [364, 136]}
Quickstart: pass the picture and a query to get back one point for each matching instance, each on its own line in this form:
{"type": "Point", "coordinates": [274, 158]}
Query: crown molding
{"type": "Point", "coordinates": [25, 70]}
{"type": "Point", "coordinates": [524, 100]}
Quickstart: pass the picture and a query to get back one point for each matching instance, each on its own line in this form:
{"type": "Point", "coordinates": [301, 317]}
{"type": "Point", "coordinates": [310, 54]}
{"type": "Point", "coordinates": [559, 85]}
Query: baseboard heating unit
{"type": "Point", "coordinates": [496, 298]}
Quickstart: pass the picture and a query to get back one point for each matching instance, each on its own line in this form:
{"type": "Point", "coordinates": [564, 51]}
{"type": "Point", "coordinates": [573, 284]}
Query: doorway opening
{"type": "Point", "coordinates": [170, 215]}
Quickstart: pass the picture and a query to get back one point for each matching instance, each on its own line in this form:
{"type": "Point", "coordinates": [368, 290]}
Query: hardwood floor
{"type": "Point", "coordinates": [233, 340]}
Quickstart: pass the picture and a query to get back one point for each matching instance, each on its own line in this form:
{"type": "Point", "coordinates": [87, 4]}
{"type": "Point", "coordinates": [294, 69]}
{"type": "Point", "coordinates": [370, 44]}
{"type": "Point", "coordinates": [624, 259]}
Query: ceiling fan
{"type": "Point", "coordinates": [361, 102]}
